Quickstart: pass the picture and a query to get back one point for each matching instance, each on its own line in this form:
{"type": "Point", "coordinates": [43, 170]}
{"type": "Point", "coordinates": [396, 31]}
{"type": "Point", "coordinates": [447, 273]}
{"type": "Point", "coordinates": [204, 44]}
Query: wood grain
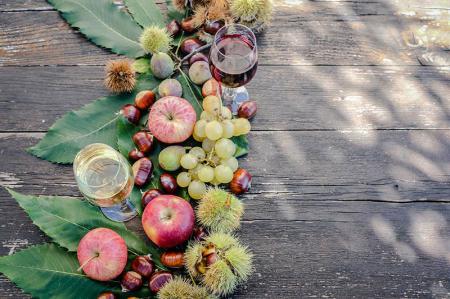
{"type": "Point", "coordinates": [292, 167]}
{"type": "Point", "coordinates": [304, 98]}
{"type": "Point", "coordinates": [45, 39]}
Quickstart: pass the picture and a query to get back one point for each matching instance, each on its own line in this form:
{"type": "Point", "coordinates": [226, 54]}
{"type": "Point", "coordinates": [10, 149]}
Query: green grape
{"type": "Point", "coordinates": [225, 148]}
{"type": "Point", "coordinates": [206, 174]}
{"type": "Point", "coordinates": [183, 179]}
{"type": "Point", "coordinates": [231, 162]}
{"type": "Point", "coordinates": [196, 138]}
{"type": "Point", "coordinates": [208, 145]}
{"type": "Point", "coordinates": [223, 174]}
{"type": "Point", "coordinates": [196, 189]}
{"type": "Point", "coordinates": [213, 130]}
{"type": "Point", "coordinates": [228, 129]}
{"type": "Point", "coordinates": [188, 161]}
{"type": "Point", "coordinates": [198, 152]}
{"type": "Point", "coordinates": [225, 112]}
{"type": "Point", "coordinates": [212, 104]}
{"type": "Point", "coordinates": [207, 116]}
{"type": "Point", "coordinates": [199, 128]}
{"type": "Point", "coordinates": [214, 182]}
{"type": "Point", "coordinates": [169, 158]}
{"type": "Point", "coordinates": [241, 126]}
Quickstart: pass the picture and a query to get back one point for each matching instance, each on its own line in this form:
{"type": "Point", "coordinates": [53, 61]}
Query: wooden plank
{"type": "Point", "coordinates": [338, 250]}
{"type": "Point", "coordinates": [45, 39]}
{"type": "Point", "coordinates": [305, 98]}
{"type": "Point", "coordinates": [391, 166]}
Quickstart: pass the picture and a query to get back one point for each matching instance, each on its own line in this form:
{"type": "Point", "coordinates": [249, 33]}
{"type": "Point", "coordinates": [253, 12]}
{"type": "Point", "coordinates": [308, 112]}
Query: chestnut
{"type": "Point", "coordinates": [149, 195]}
{"type": "Point", "coordinates": [211, 259]}
{"type": "Point", "coordinates": [247, 109]}
{"type": "Point", "coordinates": [107, 295]}
{"type": "Point", "coordinates": [144, 99]}
{"type": "Point", "coordinates": [168, 183]}
{"type": "Point", "coordinates": [158, 280]}
{"type": "Point", "coordinates": [142, 170]}
{"type": "Point", "coordinates": [144, 141]}
{"type": "Point", "coordinates": [135, 155]}
{"type": "Point", "coordinates": [212, 27]}
{"type": "Point", "coordinates": [199, 233]}
{"type": "Point", "coordinates": [131, 113]}
{"type": "Point", "coordinates": [143, 265]}
{"type": "Point", "coordinates": [241, 182]}
{"type": "Point", "coordinates": [190, 44]}
{"type": "Point", "coordinates": [172, 259]}
{"type": "Point", "coordinates": [173, 28]}
{"type": "Point", "coordinates": [188, 25]}
{"type": "Point", "coordinates": [198, 57]}
{"type": "Point", "coordinates": [131, 281]}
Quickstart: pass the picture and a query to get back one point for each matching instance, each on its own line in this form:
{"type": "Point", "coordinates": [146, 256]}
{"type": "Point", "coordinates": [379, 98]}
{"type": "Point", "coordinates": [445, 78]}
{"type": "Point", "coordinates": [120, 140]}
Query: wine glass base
{"type": "Point", "coordinates": [234, 100]}
{"type": "Point", "coordinates": [120, 213]}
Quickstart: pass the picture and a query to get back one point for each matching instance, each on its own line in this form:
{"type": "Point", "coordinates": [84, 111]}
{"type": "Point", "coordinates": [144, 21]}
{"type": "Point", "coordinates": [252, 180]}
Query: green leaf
{"type": "Point", "coordinates": [142, 65]}
{"type": "Point", "coordinates": [125, 132]}
{"type": "Point", "coordinates": [242, 146]}
{"type": "Point", "coordinates": [48, 271]}
{"type": "Point", "coordinates": [95, 122]}
{"type": "Point", "coordinates": [103, 23]}
{"type": "Point", "coordinates": [145, 12]}
{"type": "Point", "coordinates": [66, 220]}
{"type": "Point", "coordinates": [191, 93]}
{"type": "Point", "coordinates": [173, 13]}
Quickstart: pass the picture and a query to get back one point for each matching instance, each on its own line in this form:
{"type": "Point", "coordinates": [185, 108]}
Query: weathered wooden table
{"type": "Point", "coordinates": [350, 150]}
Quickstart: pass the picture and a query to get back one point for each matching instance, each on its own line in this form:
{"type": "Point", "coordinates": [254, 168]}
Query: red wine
{"type": "Point", "coordinates": [233, 60]}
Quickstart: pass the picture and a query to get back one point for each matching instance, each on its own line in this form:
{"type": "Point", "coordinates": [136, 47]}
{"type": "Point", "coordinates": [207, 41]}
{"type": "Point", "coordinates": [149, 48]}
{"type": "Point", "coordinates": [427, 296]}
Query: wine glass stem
{"type": "Point", "coordinates": [228, 95]}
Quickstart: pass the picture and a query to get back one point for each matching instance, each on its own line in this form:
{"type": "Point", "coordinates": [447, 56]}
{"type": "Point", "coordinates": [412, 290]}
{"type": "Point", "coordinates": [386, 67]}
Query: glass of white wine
{"type": "Point", "coordinates": [105, 178]}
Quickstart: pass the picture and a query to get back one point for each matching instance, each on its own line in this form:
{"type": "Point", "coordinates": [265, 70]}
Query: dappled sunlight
{"type": "Point", "coordinates": [430, 233]}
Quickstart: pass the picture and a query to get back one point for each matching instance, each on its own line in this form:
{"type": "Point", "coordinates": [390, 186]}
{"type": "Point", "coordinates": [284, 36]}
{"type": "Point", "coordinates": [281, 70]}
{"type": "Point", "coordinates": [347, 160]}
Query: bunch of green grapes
{"type": "Point", "coordinates": [214, 162]}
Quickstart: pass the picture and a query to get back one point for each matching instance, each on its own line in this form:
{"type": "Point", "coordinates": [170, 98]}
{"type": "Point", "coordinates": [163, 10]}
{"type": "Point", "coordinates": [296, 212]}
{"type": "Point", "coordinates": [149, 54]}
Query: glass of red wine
{"type": "Point", "coordinates": [233, 60]}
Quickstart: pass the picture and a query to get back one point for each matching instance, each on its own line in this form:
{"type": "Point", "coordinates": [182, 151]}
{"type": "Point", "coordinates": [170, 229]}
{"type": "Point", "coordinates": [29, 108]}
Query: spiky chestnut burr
{"type": "Point", "coordinates": [181, 288]}
{"type": "Point", "coordinates": [253, 13]}
{"type": "Point", "coordinates": [155, 39]}
{"type": "Point", "coordinates": [231, 266]}
{"type": "Point", "coordinates": [220, 211]}
{"type": "Point", "coordinates": [120, 76]}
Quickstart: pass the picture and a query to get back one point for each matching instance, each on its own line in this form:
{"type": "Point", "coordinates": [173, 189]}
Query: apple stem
{"type": "Point", "coordinates": [87, 261]}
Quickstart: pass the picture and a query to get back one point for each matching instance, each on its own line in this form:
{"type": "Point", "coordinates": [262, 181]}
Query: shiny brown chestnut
{"type": "Point", "coordinates": [199, 233]}
{"type": "Point", "coordinates": [149, 195]}
{"type": "Point", "coordinates": [212, 27]}
{"type": "Point", "coordinates": [143, 265]}
{"type": "Point", "coordinates": [198, 57]}
{"type": "Point", "coordinates": [158, 280]}
{"type": "Point", "coordinates": [190, 44]}
{"type": "Point", "coordinates": [142, 171]}
{"type": "Point", "coordinates": [211, 259]}
{"type": "Point", "coordinates": [131, 281]}
{"type": "Point", "coordinates": [247, 109]}
{"type": "Point", "coordinates": [168, 182]}
{"type": "Point", "coordinates": [135, 155]}
{"type": "Point", "coordinates": [173, 28]}
{"type": "Point", "coordinates": [131, 113]}
{"type": "Point", "coordinates": [143, 141]}
{"type": "Point", "coordinates": [107, 295]}
{"type": "Point", "coordinates": [144, 99]}
{"type": "Point", "coordinates": [188, 25]}
{"type": "Point", "coordinates": [241, 182]}
{"type": "Point", "coordinates": [173, 259]}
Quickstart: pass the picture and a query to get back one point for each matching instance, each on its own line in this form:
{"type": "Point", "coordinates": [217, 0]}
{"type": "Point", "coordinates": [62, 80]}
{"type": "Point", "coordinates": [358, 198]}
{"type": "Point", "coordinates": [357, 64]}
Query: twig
{"type": "Point", "coordinates": [207, 46]}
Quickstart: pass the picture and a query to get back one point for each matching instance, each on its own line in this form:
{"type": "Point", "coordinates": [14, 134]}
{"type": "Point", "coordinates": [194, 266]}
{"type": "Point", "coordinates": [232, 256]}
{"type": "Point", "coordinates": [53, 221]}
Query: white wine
{"type": "Point", "coordinates": [103, 175]}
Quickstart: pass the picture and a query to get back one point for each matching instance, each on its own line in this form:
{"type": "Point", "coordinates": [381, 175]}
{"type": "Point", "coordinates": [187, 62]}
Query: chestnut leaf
{"type": "Point", "coordinates": [242, 146]}
{"type": "Point", "coordinates": [145, 12]}
{"type": "Point", "coordinates": [94, 122]}
{"type": "Point", "coordinates": [66, 220]}
{"type": "Point", "coordinates": [104, 23]}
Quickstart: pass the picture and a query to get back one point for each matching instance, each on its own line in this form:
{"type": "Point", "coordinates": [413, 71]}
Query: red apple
{"type": "Point", "coordinates": [168, 220]}
{"type": "Point", "coordinates": [172, 119]}
{"type": "Point", "coordinates": [102, 254]}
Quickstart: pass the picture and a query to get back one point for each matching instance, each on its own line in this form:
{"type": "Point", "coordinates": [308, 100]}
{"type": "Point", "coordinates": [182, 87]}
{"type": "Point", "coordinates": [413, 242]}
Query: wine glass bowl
{"type": "Point", "coordinates": [105, 179]}
{"type": "Point", "coordinates": [233, 61]}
